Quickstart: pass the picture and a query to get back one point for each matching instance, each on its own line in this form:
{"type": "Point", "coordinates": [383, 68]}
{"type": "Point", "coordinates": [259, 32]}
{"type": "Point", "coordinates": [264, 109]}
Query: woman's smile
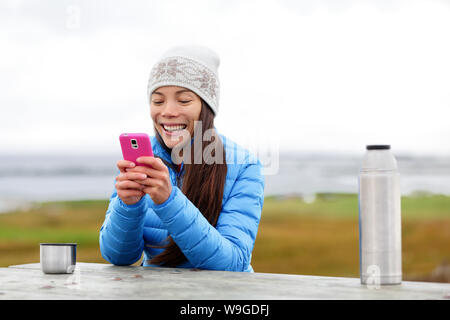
{"type": "Point", "coordinates": [173, 129]}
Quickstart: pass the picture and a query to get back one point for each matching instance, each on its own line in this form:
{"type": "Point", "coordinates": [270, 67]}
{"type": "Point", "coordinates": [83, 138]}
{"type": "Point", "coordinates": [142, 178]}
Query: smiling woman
{"type": "Point", "coordinates": [199, 210]}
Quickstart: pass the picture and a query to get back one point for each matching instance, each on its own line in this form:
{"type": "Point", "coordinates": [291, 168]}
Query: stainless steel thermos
{"type": "Point", "coordinates": [380, 248]}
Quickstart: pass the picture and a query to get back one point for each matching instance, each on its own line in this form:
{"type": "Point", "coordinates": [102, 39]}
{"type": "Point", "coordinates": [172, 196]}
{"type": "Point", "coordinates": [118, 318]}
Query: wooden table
{"type": "Point", "coordinates": [104, 281]}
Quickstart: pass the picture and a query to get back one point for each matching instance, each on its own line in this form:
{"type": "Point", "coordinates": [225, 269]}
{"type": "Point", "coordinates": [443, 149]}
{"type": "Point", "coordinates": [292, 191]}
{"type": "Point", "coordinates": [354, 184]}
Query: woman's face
{"type": "Point", "coordinates": [173, 110]}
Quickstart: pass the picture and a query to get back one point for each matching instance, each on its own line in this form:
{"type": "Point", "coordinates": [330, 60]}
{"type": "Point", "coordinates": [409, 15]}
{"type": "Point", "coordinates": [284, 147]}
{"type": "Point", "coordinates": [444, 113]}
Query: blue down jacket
{"type": "Point", "coordinates": [129, 230]}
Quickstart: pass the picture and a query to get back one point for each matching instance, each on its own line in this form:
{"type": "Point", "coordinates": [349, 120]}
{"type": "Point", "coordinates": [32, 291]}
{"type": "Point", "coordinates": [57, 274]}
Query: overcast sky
{"type": "Point", "coordinates": [299, 75]}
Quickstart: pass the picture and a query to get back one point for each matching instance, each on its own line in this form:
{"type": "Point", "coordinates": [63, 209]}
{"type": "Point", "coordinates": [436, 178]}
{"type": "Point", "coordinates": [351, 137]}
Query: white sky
{"type": "Point", "coordinates": [309, 75]}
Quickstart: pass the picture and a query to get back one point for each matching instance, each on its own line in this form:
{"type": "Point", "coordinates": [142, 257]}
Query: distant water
{"type": "Point", "coordinates": [26, 179]}
{"type": "Point", "coordinates": [307, 174]}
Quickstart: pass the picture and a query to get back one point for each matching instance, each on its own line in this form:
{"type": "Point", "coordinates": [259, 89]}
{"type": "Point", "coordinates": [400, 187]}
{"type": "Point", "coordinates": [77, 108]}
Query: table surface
{"type": "Point", "coordinates": [106, 281]}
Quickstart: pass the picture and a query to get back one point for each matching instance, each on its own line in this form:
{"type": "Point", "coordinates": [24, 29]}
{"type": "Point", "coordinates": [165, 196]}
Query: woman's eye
{"type": "Point", "coordinates": [157, 102]}
{"type": "Point", "coordinates": [185, 101]}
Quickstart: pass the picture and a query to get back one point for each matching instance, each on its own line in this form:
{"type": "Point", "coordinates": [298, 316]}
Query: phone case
{"type": "Point", "coordinates": [135, 145]}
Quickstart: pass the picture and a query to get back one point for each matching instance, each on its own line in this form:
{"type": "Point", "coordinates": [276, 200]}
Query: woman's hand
{"type": "Point", "coordinates": [157, 185]}
{"type": "Point", "coordinates": [128, 188]}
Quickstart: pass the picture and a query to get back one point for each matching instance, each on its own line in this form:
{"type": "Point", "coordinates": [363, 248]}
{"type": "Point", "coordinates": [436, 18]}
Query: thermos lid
{"type": "Point", "coordinates": [378, 147]}
{"type": "Point", "coordinates": [378, 157]}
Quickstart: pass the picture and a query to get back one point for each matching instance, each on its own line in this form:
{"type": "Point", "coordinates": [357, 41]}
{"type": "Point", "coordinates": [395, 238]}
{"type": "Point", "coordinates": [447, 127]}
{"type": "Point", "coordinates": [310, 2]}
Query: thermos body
{"type": "Point", "coordinates": [380, 218]}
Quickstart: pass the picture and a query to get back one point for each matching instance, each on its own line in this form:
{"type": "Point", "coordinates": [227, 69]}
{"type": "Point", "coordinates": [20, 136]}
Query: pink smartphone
{"type": "Point", "coordinates": [135, 145]}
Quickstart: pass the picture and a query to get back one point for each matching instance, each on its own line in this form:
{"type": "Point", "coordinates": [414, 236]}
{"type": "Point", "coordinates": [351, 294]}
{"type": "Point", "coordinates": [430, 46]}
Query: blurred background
{"type": "Point", "coordinates": [304, 85]}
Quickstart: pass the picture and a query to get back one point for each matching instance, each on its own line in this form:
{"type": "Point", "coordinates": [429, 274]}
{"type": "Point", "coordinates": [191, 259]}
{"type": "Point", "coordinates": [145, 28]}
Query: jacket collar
{"type": "Point", "coordinates": [160, 151]}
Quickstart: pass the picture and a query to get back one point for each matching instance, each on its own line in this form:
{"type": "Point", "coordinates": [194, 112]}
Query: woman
{"type": "Point", "coordinates": [199, 205]}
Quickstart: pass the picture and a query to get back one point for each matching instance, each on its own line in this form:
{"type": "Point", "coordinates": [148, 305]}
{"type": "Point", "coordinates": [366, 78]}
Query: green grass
{"type": "Point", "coordinates": [318, 238]}
{"type": "Point", "coordinates": [343, 205]}
{"type": "Point", "coordinates": [69, 221]}
{"type": "Point", "coordinates": [322, 237]}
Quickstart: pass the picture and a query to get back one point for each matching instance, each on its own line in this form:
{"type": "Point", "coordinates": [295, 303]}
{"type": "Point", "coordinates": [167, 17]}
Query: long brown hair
{"type": "Point", "coordinates": [202, 184]}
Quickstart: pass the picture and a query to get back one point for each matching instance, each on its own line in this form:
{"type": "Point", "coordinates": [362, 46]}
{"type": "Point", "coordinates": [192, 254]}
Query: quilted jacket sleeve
{"type": "Point", "coordinates": [121, 235]}
{"type": "Point", "coordinates": [229, 245]}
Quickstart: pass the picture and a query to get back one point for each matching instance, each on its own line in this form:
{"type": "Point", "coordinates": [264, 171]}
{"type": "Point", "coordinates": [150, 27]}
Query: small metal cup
{"type": "Point", "coordinates": [58, 257]}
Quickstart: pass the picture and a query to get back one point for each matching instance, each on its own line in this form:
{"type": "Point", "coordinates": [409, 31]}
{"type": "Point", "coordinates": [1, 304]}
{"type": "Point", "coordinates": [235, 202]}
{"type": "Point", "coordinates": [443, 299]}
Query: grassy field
{"type": "Point", "coordinates": [318, 238]}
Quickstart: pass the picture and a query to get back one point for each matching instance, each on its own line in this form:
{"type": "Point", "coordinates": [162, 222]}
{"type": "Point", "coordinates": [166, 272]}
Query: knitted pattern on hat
{"type": "Point", "coordinates": [191, 67]}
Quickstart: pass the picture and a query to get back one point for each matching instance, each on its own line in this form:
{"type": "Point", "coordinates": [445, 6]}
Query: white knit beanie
{"type": "Point", "coordinates": [192, 67]}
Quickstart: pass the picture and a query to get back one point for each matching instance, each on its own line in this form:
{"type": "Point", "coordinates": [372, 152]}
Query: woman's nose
{"type": "Point", "coordinates": [170, 109]}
